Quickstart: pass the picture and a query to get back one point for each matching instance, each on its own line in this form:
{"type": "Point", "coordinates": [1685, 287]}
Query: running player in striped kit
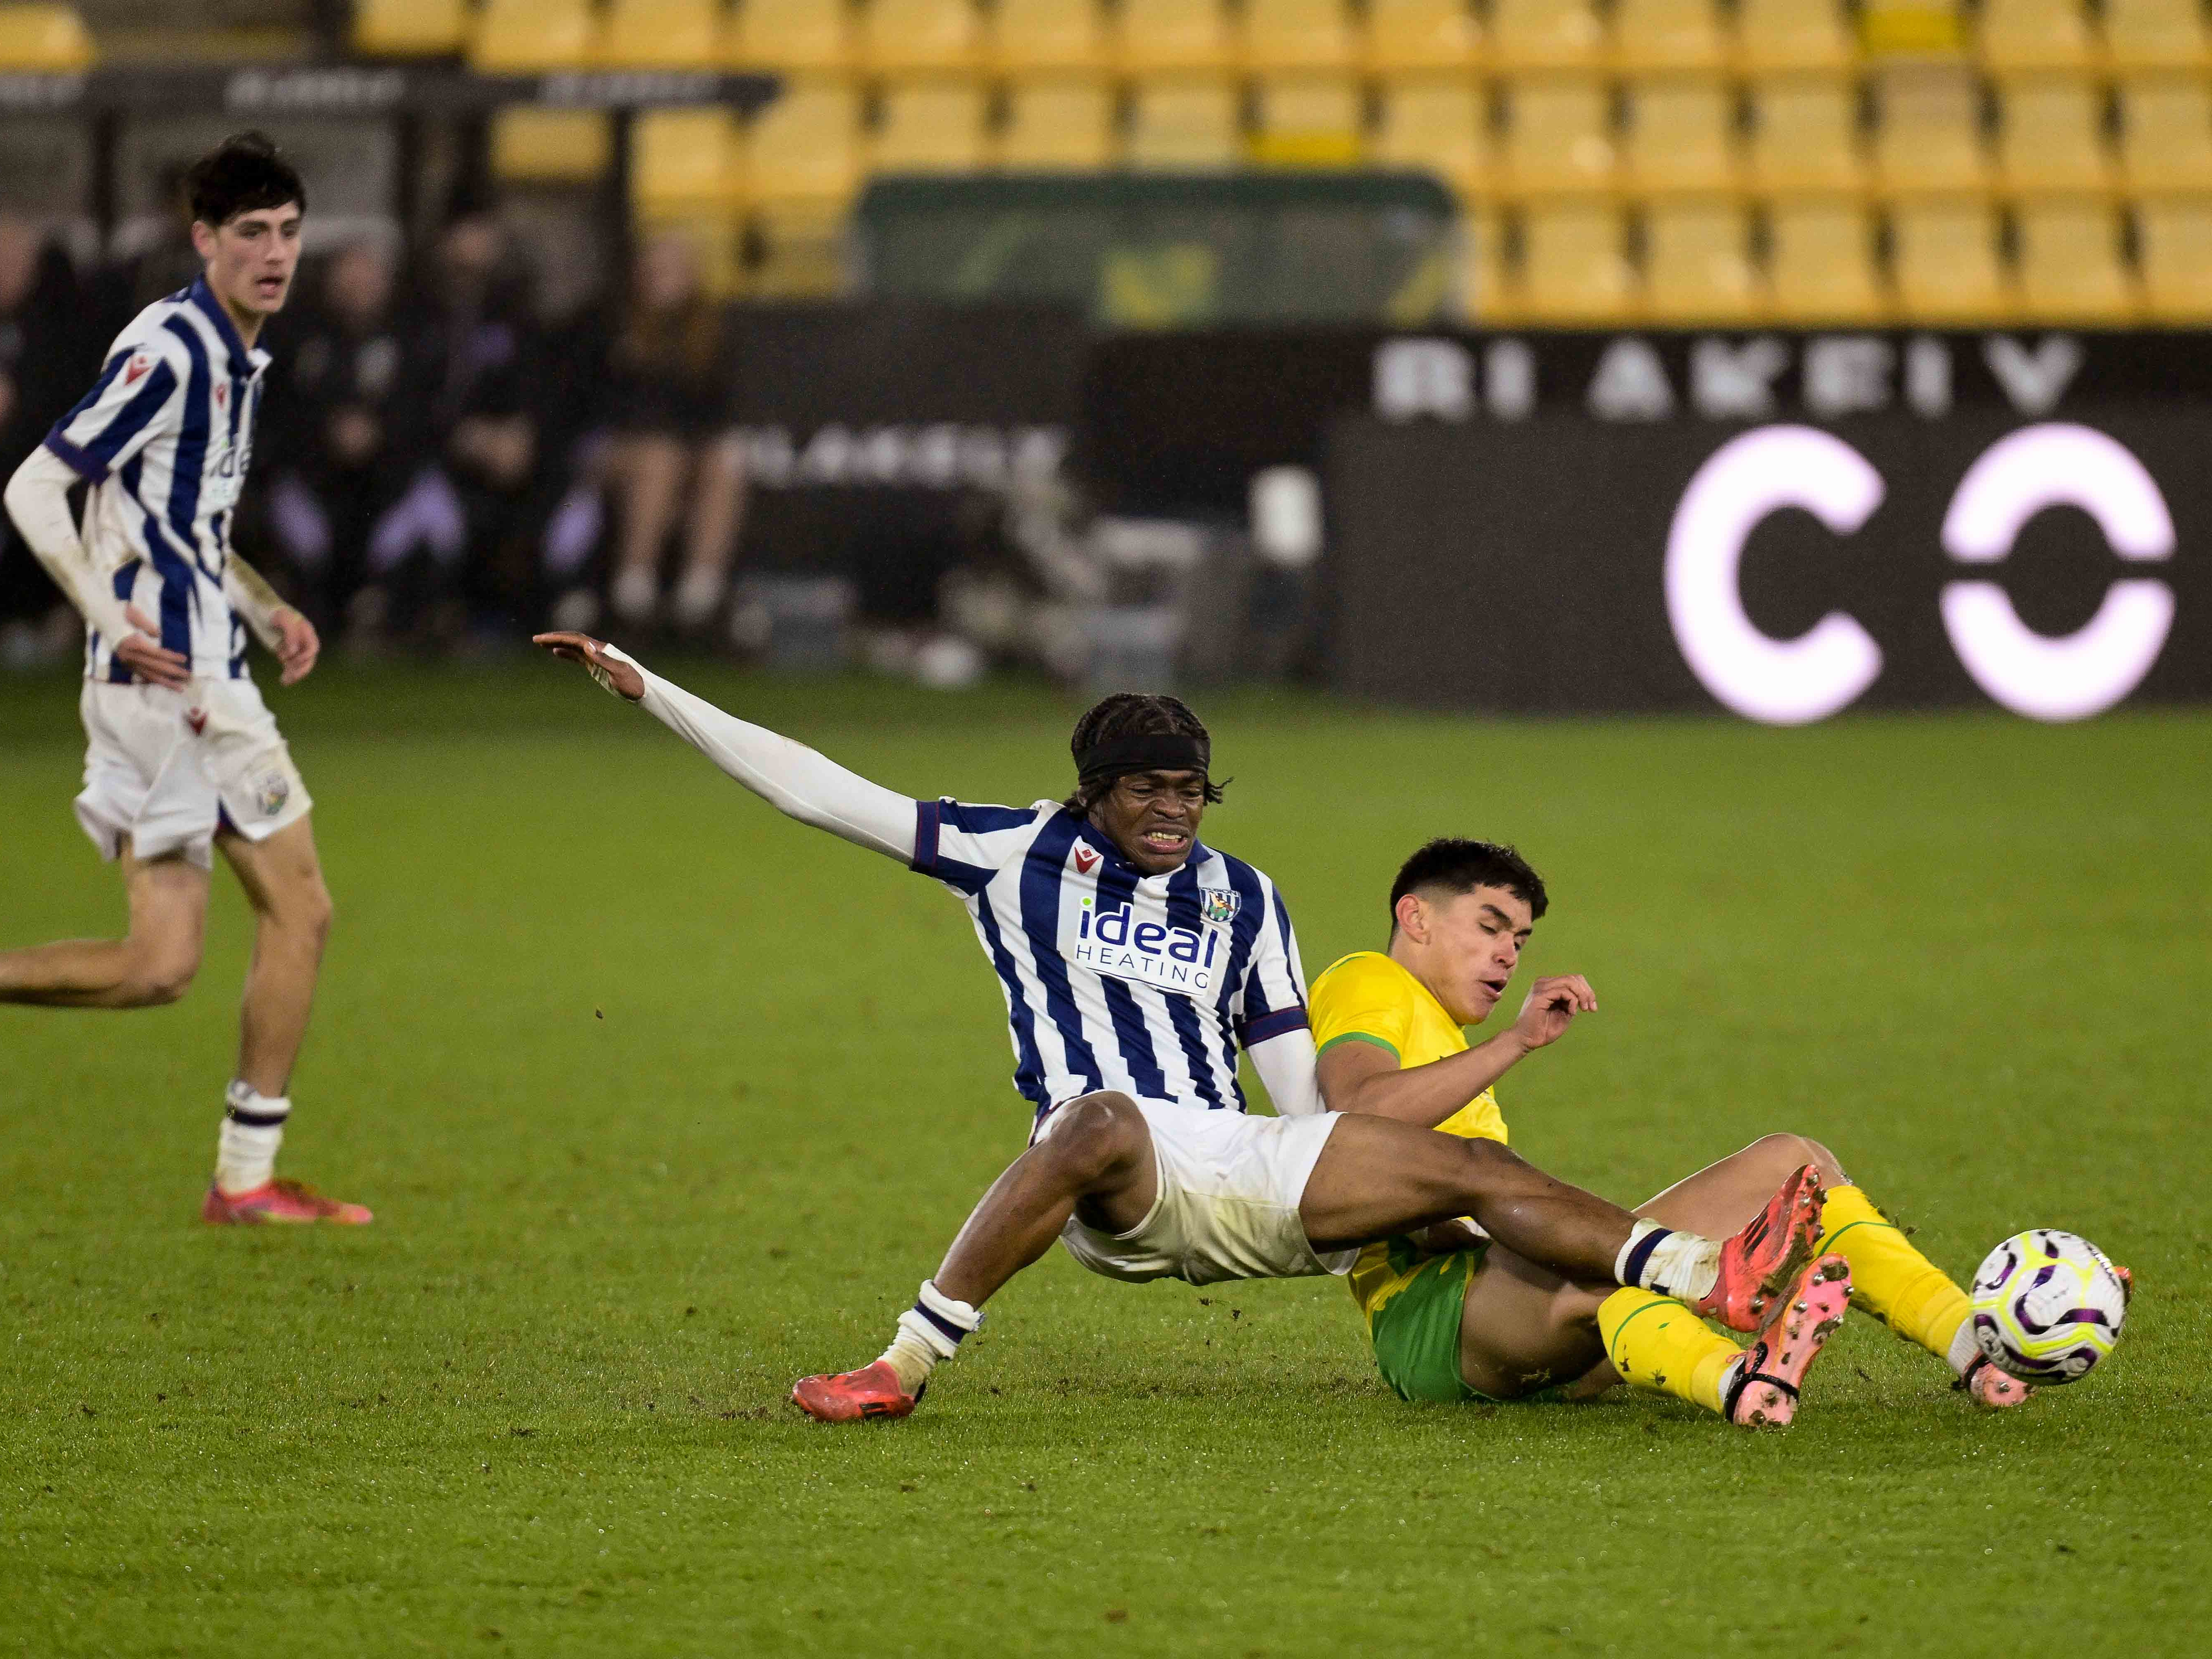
{"type": "Point", "coordinates": [182, 757]}
{"type": "Point", "coordinates": [1136, 961]}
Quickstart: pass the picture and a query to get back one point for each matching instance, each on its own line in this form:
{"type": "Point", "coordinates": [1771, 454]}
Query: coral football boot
{"type": "Point", "coordinates": [280, 1203]}
{"type": "Point", "coordinates": [1765, 1392]}
{"type": "Point", "coordinates": [872, 1391]}
{"type": "Point", "coordinates": [1763, 1261]}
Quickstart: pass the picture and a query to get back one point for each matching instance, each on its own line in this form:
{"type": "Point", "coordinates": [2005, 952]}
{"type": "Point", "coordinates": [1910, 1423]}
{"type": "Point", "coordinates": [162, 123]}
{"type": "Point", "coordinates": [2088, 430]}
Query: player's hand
{"type": "Point", "coordinates": [143, 654]}
{"type": "Point", "coordinates": [298, 645]}
{"type": "Point", "coordinates": [618, 676]}
{"type": "Point", "coordinates": [1553, 1003]}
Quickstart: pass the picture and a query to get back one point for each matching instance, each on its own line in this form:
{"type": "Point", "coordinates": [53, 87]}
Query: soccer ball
{"type": "Point", "coordinates": [2047, 1306]}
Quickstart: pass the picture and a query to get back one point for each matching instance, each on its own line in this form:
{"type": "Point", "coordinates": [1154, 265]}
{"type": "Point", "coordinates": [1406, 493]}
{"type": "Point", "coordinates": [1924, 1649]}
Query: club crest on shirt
{"type": "Point", "coordinates": [1218, 903]}
{"type": "Point", "coordinates": [222, 393]}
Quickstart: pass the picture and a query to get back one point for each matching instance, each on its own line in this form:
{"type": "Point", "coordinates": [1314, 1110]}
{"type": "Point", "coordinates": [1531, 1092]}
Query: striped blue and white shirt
{"type": "Point", "coordinates": [163, 438]}
{"type": "Point", "coordinates": [1115, 979]}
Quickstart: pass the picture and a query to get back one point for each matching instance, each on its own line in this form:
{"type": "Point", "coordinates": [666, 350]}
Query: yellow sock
{"type": "Point", "coordinates": [1656, 1343]}
{"type": "Point", "coordinates": [1890, 1280]}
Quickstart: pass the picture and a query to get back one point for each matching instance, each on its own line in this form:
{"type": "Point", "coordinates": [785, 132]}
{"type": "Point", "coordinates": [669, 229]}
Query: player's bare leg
{"type": "Point", "coordinates": [1096, 1156]}
{"type": "Point", "coordinates": [283, 878]}
{"type": "Point", "coordinates": [151, 964]}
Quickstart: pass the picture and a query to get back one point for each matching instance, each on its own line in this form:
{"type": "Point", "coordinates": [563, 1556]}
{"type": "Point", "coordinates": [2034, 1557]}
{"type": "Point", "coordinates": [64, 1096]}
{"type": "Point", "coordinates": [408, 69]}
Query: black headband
{"type": "Point", "coordinates": [1163, 751]}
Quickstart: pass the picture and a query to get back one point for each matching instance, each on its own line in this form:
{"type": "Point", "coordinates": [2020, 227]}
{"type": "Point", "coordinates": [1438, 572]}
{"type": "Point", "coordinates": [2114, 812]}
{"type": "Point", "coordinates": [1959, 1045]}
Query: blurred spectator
{"type": "Point", "coordinates": [333, 427]}
{"type": "Point", "coordinates": [164, 260]}
{"type": "Point", "coordinates": [670, 446]}
{"type": "Point", "coordinates": [47, 355]}
{"type": "Point", "coordinates": [458, 543]}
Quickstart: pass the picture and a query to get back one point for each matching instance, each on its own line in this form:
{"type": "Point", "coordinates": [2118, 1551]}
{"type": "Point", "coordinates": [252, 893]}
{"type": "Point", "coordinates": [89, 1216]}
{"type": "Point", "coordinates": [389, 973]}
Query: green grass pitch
{"type": "Point", "coordinates": [663, 1101]}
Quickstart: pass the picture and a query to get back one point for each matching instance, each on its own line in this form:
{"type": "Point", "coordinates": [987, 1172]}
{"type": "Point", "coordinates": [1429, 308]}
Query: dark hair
{"type": "Point", "coordinates": [244, 173]}
{"type": "Point", "coordinates": [1463, 865]}
{"type": "Point", "coordinates": [1132, 715]}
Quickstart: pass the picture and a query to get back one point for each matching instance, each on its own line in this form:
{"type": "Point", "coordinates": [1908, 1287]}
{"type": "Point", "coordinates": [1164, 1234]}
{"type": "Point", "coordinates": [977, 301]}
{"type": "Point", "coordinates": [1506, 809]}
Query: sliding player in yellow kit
{"type": "Point", "coordinates": [1455, 1317]}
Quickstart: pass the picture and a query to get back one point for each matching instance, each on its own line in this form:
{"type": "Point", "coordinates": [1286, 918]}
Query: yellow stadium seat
{"type": "Point", "coordinates": [1667, 34]}
{"type": "Point", "coordinates": [410, 28]}
{"type": "Point", "coordinates": [523, 37]}
{"type": "Point", "coordinates": [788, 35]}
{"type": "Point", "coordinates": [1436, 122]}
{"type": "Point", "coordinates": [1560, 136]}
{"type": "Point", "coordinates": [684, 159]}
{"type": "Point", "coordinates": [1681, 135]}
{"type": "Point", "coordinates": [2175, 237]}
{"type": "Point", "coordinates": [2166, 133]}
{"type": "Point", "coordinates": [801, 248]}
{"type": "Point", "coordinates": [1295, 34]}
{"type": "Point", "coordinates": [1910, 29]}
{"type": "Point", "coordinates": [1792, 34]}
{"type": "Point", "coordinates": [531, 144]}
{"type": "Point", "coordinates": [1804, 135]}
{"type": "Point", "coordinates": [2052, 135]}
{"type": "Point", "coordinates": [1155, 35]}
{"type": "Point", "coordinates": [930, 125]}
{"type": "Point", "coordinates": [1696, 264]}
{"type": "Point", "coordinates": [44, 40]}
{"type": "Point", "coordinates": [661, 34]}
{"type": "Point", "coordinates": [1527, 34]}
{"type": "Point", "coordinates": [2154, 33]}
{"type": "Point", "coordinates": [1307, 121]}
{"type": "Point", "coordinates": [1419, 35]}
{"type": "Point", "coordinates": [2035, 34]}
{"type": "Point", "coordinates": [2070, 269]}
{"type": "Point", "coordinates": [1820, 261]}
{"type": "Point", "coordinates": [1047, 34]}
{"type": "Point", "coordinates": [1184, 121]}
{"type": "Point", "coordinates": [1484, 294]}
{"type": "Point", "coordinates": [1944, 259]}
{"type": "Point", "coordinates": [1929, 139]}
{"type": "Point", "coordinates": [1058, 123]}
{"type": "Point", "coordinates": [805, 147]}
{"type": "Point", "coordinates": [1574, 264]}
{"type": "Point", "coordinates": [898, 35]}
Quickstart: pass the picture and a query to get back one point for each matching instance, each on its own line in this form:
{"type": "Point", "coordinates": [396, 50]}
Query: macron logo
{"type": "Point", "coordinates": [1086, 860]}
{"type": "Point", "coordinates": [136, 368]}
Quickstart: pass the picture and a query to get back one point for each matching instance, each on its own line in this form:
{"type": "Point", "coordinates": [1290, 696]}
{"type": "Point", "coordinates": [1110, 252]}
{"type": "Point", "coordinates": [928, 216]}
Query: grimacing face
{"type": "Point", "coordinates": [1152, 818]}
{"type": "Point", "coordinates": [252, 257]}
{"type": "Point", "coordinates": [1468, 946]}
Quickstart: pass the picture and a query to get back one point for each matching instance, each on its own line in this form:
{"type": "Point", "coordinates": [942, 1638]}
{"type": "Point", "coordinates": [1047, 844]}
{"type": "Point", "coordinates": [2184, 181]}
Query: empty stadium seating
{"type": "Point", "coordinates": [1679, 159]}
{"type": "Point", "coordinates": [1058, 124]}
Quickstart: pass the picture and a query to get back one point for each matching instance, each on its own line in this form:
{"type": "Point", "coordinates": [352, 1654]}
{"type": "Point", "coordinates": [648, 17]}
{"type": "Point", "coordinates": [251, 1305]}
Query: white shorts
{"type": "Point", "coordinates": [1228, 1204]}
{"type": "Point", "coordinates": [167, 769]}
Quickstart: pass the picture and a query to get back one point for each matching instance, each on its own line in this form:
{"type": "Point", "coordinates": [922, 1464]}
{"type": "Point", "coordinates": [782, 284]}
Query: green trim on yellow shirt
{"type": "Point", "coordinates": [1361, 1036]}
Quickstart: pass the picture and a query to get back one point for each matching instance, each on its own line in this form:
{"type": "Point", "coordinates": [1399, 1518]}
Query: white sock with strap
{"type": "Point", "coordinates": [929, 1332]}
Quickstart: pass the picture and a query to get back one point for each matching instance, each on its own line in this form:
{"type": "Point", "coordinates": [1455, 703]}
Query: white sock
{"type": "Point", "coordinates": [929, 1332]}
{"type": "Point", "coordinates": [1964, 1350]}
{"type": "Point", "coordinates": [697, 596]}
{"type": "Point", "coordinates": [635, 591]}
{"type": "Point", "coordinates": [1672, 1263]}
{"type": "Point", "coordinates": [252, 1130]}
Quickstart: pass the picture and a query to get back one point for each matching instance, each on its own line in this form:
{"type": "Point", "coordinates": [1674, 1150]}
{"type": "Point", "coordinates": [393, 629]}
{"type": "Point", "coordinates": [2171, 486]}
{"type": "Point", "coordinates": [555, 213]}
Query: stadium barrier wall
{"type": "Point", "coordinates": [1786, 570]}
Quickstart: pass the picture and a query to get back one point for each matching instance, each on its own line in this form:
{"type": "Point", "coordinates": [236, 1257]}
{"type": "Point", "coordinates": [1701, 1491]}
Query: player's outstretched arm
{"type": "Point", "coordinates": [791, 777]}
{"type": "Point", "coordinates": [37, 501]}
{"type": "Point", "coordinates": [290, 637]}
{"type": "Point", "coordinates": [1362, 1076]}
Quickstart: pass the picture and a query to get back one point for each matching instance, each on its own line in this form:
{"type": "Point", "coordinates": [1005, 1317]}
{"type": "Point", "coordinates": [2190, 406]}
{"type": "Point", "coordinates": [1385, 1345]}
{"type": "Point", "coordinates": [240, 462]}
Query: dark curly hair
{"type": "Point", "coordinates": [1132, 715]}
{"type": "Point", "coordinates": [1459, 866]}
{"type": "Point", "coordinates": [244, 173]}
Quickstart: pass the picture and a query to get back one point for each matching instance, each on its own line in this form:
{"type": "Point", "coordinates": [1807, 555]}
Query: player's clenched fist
{"type": "Point", "coordinates": [609, 667]}
{"type": "Point", "coordinates": [1553, 1002]}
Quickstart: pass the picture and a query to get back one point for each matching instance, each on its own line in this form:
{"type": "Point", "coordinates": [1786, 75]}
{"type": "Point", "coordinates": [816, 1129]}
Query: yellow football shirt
{"type": "Point", "coordinates": [1368, 998]}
